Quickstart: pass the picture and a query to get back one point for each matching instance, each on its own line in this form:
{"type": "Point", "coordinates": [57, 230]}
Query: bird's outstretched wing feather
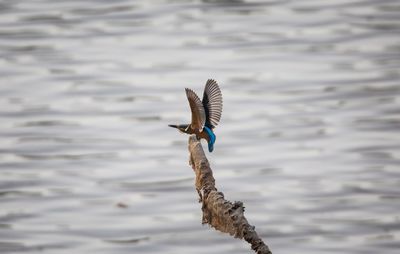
{"type": "Point", "coordinates": [197, 108]}
{"type": "Point", "coordinates": [212, 102]}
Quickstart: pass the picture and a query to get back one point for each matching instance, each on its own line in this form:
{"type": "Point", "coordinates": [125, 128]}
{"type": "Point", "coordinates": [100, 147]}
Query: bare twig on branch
{"type": "Point", "coordinates": [221, 214]}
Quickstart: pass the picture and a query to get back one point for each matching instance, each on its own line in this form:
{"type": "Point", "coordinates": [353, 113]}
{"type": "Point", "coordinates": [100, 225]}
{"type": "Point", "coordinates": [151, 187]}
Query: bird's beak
{"type": "Point", "coordinates": [173, 126]}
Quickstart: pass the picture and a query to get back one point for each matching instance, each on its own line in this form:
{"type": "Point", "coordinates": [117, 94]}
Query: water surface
{"type": "Point", "coordinates": [309, 137]}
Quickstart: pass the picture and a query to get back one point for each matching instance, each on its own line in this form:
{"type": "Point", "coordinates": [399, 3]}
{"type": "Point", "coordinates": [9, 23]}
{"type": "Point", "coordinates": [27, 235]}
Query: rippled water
{"type": "Point", "coordinates": [309, 137]}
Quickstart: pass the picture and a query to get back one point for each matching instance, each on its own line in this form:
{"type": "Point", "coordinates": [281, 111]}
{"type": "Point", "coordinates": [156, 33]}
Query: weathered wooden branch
{"type": "Point", "coordinates": [221, 214]}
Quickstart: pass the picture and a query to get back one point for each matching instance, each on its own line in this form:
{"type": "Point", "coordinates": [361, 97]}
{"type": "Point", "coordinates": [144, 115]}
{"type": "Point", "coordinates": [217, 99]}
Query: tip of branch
{"type": "Point", "coordinates": [193, 138]}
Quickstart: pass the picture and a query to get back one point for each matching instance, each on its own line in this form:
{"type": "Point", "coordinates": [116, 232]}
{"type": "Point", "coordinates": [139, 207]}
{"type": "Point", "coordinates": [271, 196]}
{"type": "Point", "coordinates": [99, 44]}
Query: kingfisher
{"type": "Point", "coordinates": [206, 113]}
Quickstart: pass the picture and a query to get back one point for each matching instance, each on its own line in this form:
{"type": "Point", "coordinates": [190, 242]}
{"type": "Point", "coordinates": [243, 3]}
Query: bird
{"type": "Point", "coordinates": [206, 113]}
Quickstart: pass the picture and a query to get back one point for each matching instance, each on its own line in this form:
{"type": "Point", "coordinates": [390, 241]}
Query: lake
{"type": "Point", "coordinates": [309, 137]}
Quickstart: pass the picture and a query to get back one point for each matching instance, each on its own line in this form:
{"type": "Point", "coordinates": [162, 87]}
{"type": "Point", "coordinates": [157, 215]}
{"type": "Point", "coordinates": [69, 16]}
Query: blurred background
{"type": "Point", "coordinates": [308, 140]}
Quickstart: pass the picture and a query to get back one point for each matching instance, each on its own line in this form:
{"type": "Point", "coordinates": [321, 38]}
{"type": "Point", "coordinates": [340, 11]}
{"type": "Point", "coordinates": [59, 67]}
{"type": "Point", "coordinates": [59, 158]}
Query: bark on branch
{"type": "Point", "coordinates": [221, 214]}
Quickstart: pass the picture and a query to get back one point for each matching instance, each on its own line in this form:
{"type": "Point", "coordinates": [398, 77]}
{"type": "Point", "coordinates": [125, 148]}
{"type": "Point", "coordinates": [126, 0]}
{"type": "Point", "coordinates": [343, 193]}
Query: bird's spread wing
{"type": "Point", "coordinates": [198, 112]}
{"type": "Point", "coordinates": [212, 102]}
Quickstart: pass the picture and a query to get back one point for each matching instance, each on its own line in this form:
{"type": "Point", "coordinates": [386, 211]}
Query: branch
{"type": "Point", "coordinates": [221, 214]}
